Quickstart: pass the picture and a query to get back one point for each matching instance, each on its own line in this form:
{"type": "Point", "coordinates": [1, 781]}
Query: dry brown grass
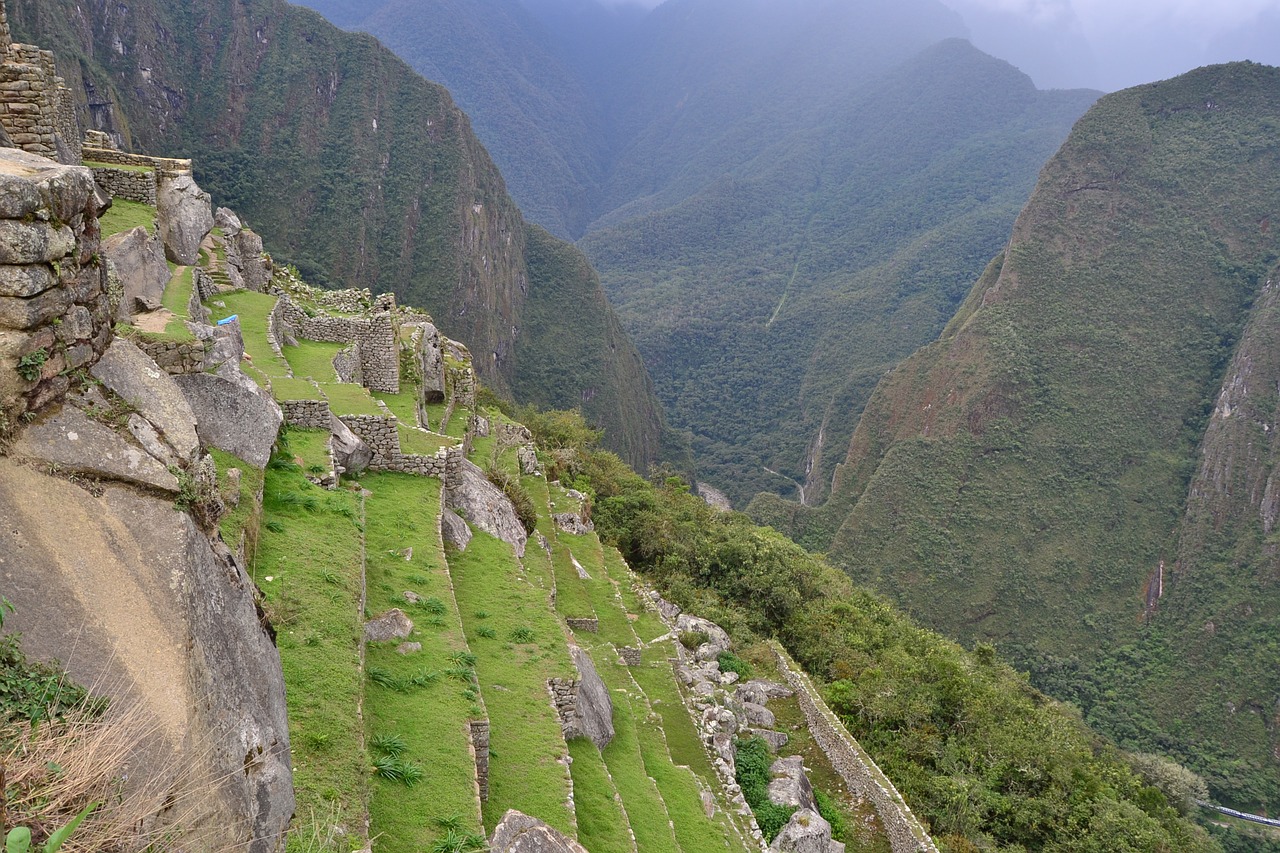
{"type": "Point", "coordinates": [56, 769]}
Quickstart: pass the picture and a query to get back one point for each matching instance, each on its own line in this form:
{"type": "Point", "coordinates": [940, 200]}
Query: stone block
{"type": "Point", "coordinates": [28, 280]}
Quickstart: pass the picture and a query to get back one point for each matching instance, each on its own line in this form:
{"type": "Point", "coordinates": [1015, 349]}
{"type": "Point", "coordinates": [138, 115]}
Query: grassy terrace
{"type": "Point", "coordinates": [519, 645]}
{"type": "Point", "coordinates": [253, 310]}
{"type": "Point", "coordinates": [403, 405]}
{"type": "Point", "coordinates": [656, 742]}
{"type": "Point", "coordinates": [309, 565]}
{"type": "Point", "coordinates": [176, 299]}
{"type": "Point", "coordinates": [126, 215]}
{"type": "Point", "coordinates": [245, 516]}
{"type": "Point", "coordinates": [863, 832]}
{"type": "Point", "coordinates": [313, 359]}
{"type": "Point", "coordinates": [309, 448]}
{"type": "Point", "coordinates": [350, 399]}
{"type": "Point", "coordinates": [426, 698]}
{"type": "Point", "coordinates": [421, 442]}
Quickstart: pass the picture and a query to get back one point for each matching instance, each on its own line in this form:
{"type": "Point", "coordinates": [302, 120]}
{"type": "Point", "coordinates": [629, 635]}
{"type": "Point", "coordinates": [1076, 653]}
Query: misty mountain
{"type": "Point", "coordinates": [760, 183]}
{"type": "Point", "coordinates": [1081, 468]}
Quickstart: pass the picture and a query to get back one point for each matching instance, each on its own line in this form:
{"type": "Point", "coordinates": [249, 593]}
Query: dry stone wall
{"type": "Point", "coordinates": [589, 626]}
{"type": "Point", "coordinates": [128, 184]}
{"type": "Point", "coordinates": [906, 833]}
{"type": "Point", "coordinates": [174, 357]}
{"type": "Point", "coordinates": [36, 109]}
{"type": "Point", "coordinates": [479, 731]}
{"type": "Point", "coordinates": [98, 148]}
{"type": "Point", "coordinates": [378, 343]}
{"type": "Point", "coordinates": [381, 435]}
{"type": "Point", "coordinates": [349, 301]}
{"type": "Point", "coordinates": [55, 315]}
{"type": "Point", "coordinates": [308, 414]}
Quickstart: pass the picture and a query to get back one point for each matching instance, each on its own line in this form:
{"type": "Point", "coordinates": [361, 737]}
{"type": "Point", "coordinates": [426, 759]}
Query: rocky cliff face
{"type": "Point", "coordinates": [353, 168]}
{"type": "Point", "coordinates": [144, 605]}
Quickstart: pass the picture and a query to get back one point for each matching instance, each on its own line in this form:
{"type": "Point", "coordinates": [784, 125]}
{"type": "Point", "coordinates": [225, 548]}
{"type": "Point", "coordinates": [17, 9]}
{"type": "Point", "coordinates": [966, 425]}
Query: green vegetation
{"type": "Point", "coordinates": [177, 299]}
{"type": "Point", "coordinates": [313, 360]}
{"type": "Point", "coordinates": [528, 772]}
{"type": "Point", "coordinates": [416, 441]}
{"type": "Point", "coordinates": [253, 310]}
{"type": "Point", "coordinates": [308, 564]}
{"type": "Point", "coordinates": [349, 399]}
{"type": "Point", "coordinates": [404, 554]}
{"type": "Point", "coordinates": [984, 758]}
{"type": "Point", "coordinates": [753, 760]}
{"type": "Point", "coordinates": [1024, 479]}
{"type": "Point", "coordinates": [242, 519]}
{"type": "Point", "coordinates": [126, 215]}
{"type": "Point", "coordinates": [602, 824]}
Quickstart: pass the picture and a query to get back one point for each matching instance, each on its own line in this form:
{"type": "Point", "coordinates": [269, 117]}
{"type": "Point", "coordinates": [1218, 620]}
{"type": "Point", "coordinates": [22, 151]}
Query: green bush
{"type": "Point", "coordinates": [754, 760]}
{"type": "Point", "coordinates": [729, 662]}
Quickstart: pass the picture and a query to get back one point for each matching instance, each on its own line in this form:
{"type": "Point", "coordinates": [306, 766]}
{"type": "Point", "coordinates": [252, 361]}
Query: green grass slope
{"type": "Point", "coordinates": [1025, 479]}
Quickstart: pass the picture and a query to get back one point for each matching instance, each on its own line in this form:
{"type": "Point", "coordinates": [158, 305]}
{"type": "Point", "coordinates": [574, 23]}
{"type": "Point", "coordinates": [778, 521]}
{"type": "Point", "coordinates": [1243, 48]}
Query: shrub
{"type": "Point", "coordinates": [692, 639]}
{"type": "Point", "coordinates": [523, 634]}
{"type": "Point", "coordinates": [730, 662]}
{"type": "Point", "coordinates": [524, 506]}
{"type": "Point", "coordinates": [754, 760]}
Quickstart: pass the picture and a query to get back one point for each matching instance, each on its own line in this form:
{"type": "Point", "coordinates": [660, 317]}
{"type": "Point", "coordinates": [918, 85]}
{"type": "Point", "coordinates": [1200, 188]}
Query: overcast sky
{"type": "Point", "coordinates": [1111, 44]}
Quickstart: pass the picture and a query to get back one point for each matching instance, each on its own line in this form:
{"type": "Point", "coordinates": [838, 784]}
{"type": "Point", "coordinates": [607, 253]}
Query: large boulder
{"type": "Point", "coordinates": [184, 215]}
{"type": "Point", "coordinates": [350, 454]}
{"type": "Point", "coordinates": [806, 832]}
{"type": "Point", "coordinates": [717, 642]}
{"type": "Point", "coordinates": [247, 260]}
{"type": "Point", "coordinates": [486, 507]}
{"type": "Point", "coordinates": [432, 361]}
{"type": "Point", "coordinates": [595, 707]}
{"type": "Point", "coordinates": [131, 373]}
{"type": "Point", "coordinates": [233, 415]}
{"type": "Point", "coordinates": [454, 530]}
{"type": "Point", "coordinates": [790, 785]}
{"type": "Point", "coordinates": [139, 259]}
{"type": "Point", "coordinates": [136, 601]}
{"type": "Point", "coordinates": [68, 439]}
{"type": "Point", "coordinates": [519, 833]}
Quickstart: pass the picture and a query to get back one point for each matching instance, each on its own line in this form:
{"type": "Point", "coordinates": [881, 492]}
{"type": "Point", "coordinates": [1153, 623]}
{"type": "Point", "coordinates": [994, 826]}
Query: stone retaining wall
{"type": "Point", "coordinates": [590, 626]}
{"type": "Point", "coordinates": [308, 414]}
{"type": "Point", "coordinates": [127, 184]}
{"type": "Point", "coordinates": [630, 655]}
{"type": "Point", "coordinates": [98, 149]}
{"type": "Point", "coordinates": [174, 357]}
{"type": "Point", "coordinates": [383, 438]}
{"type": "Point", "coordinates": [55, 314]}
{"type": "Point", "coordinates": [479, 732]}
{"type": "Point", "coordinates": [334, 330]}
{"type": "Point", "coordinates": [564, 696]}
{"type": "Point", "coordinates": [202, 289]}
{"type": "Point", "coordinates": [859, 771]}
{"type": "Point", "coordinates": [350, 301]}
{"type": "Point", "coordinates": [347, 365]}
{"type": "Point", "coordinates": [35, 106]}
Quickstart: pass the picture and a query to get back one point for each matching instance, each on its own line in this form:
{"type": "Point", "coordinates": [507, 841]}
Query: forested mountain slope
{"type": "Point", "coordinates": [359, 172]}
{"type": "Point", "coordinates": [1080, 467]}
{"type": "Point", "coordinates": [758, 183]}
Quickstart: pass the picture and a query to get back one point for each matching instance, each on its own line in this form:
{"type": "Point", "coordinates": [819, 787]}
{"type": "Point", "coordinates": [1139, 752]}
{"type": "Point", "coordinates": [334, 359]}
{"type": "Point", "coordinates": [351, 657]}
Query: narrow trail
{"type": "Point", "coordinates": [798, 484]}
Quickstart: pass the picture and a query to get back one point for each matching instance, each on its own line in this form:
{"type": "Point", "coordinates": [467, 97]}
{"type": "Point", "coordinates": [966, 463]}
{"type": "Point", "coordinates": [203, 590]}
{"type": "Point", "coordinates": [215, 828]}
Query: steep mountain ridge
{"type": "Point", "coordinates": [1025, 478]}
{"type": "Point", "coordinates": [360, 172]}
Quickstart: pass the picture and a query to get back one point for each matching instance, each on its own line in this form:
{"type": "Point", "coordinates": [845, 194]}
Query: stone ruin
{"type": "Point", "coordinates": [37, 113]}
